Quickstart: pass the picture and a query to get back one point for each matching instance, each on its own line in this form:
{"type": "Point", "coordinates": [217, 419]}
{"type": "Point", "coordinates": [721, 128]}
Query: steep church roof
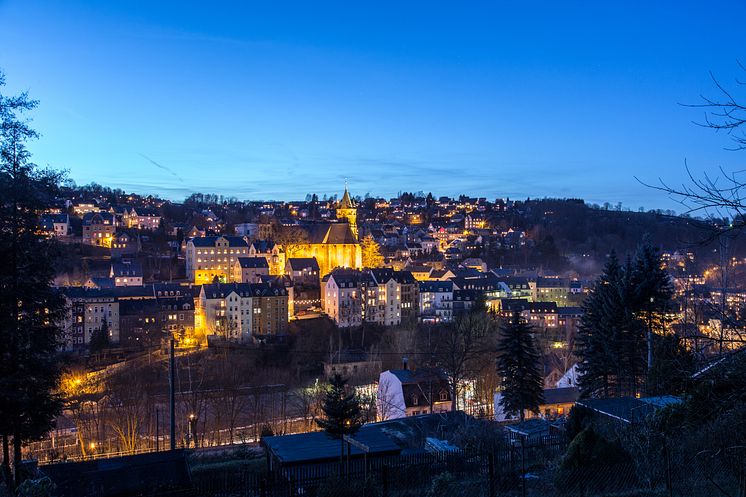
{"type": "Point", "coordinates": [331, 233]}
{"type": "Point", "coordinates": [346, 202]}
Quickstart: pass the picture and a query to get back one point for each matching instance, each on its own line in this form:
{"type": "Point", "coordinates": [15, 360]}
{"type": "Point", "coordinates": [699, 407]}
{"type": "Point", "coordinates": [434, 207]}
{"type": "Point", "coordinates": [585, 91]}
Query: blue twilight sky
{"type": "Point", "coordinates": [276, 99]}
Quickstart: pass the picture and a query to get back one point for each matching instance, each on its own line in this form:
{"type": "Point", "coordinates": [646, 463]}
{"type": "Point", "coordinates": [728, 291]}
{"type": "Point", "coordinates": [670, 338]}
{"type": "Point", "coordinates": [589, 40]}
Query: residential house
{"type": "Point", "coordinates": [209, 257]}
{"type": "Point", "coordinates": [126, 273]}
{"type": "Point", "coordinates": [436, 301]}
{"type": "Point", "coordinates": [124, 244]}
{"type": "Point", "coordinates": [403, 392]}
{"type": "Point", "coordinates": [98, 229]}
{"type": "Point", "coordinates": [272, 252]}
{"type": "Point", "coordinates": [250, 269]}
{"type": "Point", "coordinates": [241, 312]}
{"type": "Point", "coordinates": [55, 225]}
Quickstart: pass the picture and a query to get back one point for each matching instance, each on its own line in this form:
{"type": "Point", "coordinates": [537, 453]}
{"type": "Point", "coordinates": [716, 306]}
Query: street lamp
{"type": "Point", "coordinates": [192, 429]}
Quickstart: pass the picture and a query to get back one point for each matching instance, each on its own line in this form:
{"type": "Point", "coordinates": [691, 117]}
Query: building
{"type": "Point", "coordinates": [347, 210]}
{"type": "Point", "coordinates": [144, 219]}
{"type": "Point", "coordinates": [250, 269]}
{"type": "Point", "coordinates": [209, 257]}
{"type": "Point", "coordinates": [241, 312]}
{"type": "Point", "coordinates": [333, 245]}
{"type": "Point", "coordinates": [403, 393]}
{"type": "Point", "coordinates": [551, 290]}
{"type": "Point", "coordinates": [538, 314]}
{"type": "Point", "coordinates": [249, 230]}
{"type": "Point", "coordinates": [353, 365]}
{"type": "Point", "coordinates": [380, 296]}
{"type": "Point", "coordinates": [89, 311]}
{"type": "Point", "coordinates": [272, 252]}
{"type": "Point", "coordinates": [126, 273]}
{"type": "Point", "coordinates": [98, 229]}
{"type": "Point", "coordinates": [303, 270]}
{"type": "Point", "coordinates": [342, 297]}
{"type": "Point", "coordinates": [55, 225]}
{"type": "Point", "coordinates": [123, 244]}
{"type": "Point", "coordinates": [303, 273]}
{"type": "Point", "coordinates": [557, 402]}
{"type": "Point", "coordinates": [436, 301]}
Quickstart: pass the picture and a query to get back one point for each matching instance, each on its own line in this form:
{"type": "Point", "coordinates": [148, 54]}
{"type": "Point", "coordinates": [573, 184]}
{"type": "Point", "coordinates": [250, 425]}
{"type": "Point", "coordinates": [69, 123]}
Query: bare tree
{"type": "Point", "coordinates": [461, 348]}
{"type": "Point", "coordinates": [721, 199]}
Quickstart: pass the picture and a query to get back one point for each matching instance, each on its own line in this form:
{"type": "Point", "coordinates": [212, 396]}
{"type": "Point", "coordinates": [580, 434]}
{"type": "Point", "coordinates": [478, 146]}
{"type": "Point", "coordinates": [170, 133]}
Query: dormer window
{"type": "Point", "coordinates": [415, 399]}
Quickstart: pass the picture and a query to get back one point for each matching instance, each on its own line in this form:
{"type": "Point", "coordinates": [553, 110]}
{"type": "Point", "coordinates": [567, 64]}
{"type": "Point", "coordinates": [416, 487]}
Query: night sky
{"type": "Point", "coordinates": [273, 100]}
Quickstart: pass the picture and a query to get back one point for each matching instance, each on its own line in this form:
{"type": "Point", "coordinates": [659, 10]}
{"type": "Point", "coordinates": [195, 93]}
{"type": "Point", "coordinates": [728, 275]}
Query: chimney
{"type": "Point", "coordinates": [404, 361]}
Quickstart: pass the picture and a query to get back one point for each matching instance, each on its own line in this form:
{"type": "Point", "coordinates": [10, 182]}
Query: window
{"type": "Point", "coordinates": [443, 395]}
{"type": "Point", "coordinates": [415, 400]}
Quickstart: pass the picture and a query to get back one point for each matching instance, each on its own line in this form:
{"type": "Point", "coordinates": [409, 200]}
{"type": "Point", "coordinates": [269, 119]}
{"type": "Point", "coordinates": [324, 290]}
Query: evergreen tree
{"type": "Point", "coordinates": [30, 307]}
{"type": "Point", "coordinates": [597, 332]}
{"type": "Point", "coordinates": [371, 252]}
{"type": "Point", "coordinates": [342, 412]}
{"type": "Point", "coordinates": [518, 365]}
{"type": "Point", "coordinates": [651, 293]}
{"type": "Point", "coordinates": [100, 339]}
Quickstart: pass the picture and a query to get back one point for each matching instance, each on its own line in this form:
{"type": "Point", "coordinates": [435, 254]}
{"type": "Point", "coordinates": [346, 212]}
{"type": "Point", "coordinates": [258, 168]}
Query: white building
{"type": "Point", "coordinates": [225, 310]}
{"type": "Point", "coordinates": [436, 301]}
{"type": "Point", "coordinates": [403, 393]}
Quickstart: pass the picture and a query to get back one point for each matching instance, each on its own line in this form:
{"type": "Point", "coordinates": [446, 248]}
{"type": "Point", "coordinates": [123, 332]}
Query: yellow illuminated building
{"type": "Point", "coordinates": [333, 244]}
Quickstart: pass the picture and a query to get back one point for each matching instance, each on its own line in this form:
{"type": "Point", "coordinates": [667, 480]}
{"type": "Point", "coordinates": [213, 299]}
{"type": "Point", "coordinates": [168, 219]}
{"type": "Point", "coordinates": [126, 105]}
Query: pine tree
{"type": "Point", "coordinates": [518, 365]}
{"type": "Point", "coordinates": [371, 252]}
{"type": "Point", "coordinates": [597, 332]}
{"type": "Point", "coordinates": [651, 293]}
{"type": "Point", "coordinates": [342, 412]}
{"type": "Point", "coordinates": [100, 339]}
{"type": "Point", "coordinates": [30, 307]}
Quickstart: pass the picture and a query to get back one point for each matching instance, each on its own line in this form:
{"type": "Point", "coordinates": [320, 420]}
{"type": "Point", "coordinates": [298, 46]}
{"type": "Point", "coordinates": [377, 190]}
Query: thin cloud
{"type": "Point", "coordinates": [159, 166]}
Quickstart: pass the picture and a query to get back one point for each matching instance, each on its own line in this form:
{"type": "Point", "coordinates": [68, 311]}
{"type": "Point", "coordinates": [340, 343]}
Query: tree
{"type": "Point", "coordinates": [722, 196]}
{"type": "Point", "coordinates": [342, 413]}
{"type": "Point", "coordinates": [607, 337]}
{"type": "Point", "coordinates": [371, 252]}
{"type": "Point", "coordinates": [651, 291]}
{"type": "Point", "coordinates": [30, 307]}
{"type": "Point", "coordinates": [518, 365]}
{"type": "Point", "coordinates": [100, 339]}
{"type": "Point", "coordinates": [461, 347]}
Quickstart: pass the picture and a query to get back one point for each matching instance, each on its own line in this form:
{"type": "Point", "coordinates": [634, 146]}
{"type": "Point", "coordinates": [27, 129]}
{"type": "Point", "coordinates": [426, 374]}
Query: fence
{"type": "Point", "coordinates": [482, 473]}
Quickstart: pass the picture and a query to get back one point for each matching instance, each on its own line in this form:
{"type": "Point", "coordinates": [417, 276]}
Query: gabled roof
{"type": "Point", "coordinates": [263, 246]}
{"type": "Point", "coordinates": [564, 395]}
{"type": "Point", "coordinates": [300, 263]}
{"type": "Point", "coordinates": [253, 262]}
{"type": "Point", "coordinates": [330, 233]}
{"type": "Point", "coordinates": [126, 268]}
{"type": "Point", "coordinates": [97, 217]}
{"type": "Point", "coordinates": [436, 286]}
{"type": "Point", "coordinates": [209, 241]}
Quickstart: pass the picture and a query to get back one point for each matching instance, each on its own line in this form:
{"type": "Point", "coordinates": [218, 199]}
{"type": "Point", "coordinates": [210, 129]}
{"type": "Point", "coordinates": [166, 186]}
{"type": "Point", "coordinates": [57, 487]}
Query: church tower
{"type": "Point", "coordinates": [346, 209]}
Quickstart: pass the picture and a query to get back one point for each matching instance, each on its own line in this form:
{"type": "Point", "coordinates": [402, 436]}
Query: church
{"type": "Point", "coordinates": [334, 244]}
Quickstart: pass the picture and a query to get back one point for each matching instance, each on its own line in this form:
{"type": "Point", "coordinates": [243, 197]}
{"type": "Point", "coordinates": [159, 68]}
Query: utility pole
{"type": "Point", "coordinates": [650, 335]}
{"type": "Point", "coordinates": [172, 396]}
{"type": "Point", "coordinates": [157, 430]}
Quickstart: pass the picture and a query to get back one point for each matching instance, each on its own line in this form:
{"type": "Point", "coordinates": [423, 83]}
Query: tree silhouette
{"type": "Point", "coordinates": [342, 413]}
{"type": "Point", "coordinates": [30, 307]}
{"type": "Point", "coordinates": [518, 365]}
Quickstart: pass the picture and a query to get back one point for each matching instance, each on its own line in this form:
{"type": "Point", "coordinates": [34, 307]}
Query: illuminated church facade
{"type": "Point", "coordinates": [334, 244]}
